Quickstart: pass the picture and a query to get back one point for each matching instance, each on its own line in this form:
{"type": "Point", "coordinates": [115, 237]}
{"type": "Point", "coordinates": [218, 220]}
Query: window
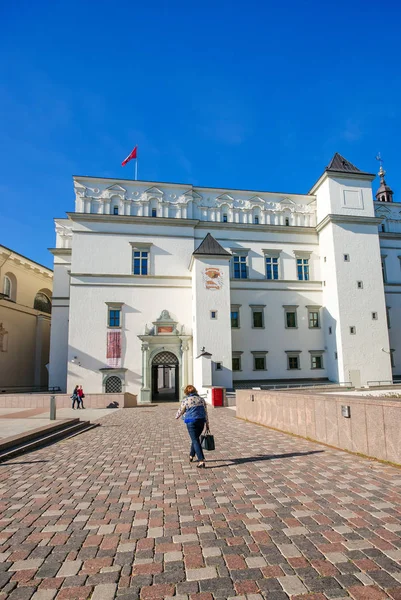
{"type": "Point", "coordinates": [392, 358]}
{"type": "Point", "coordinates": [240, 266]}
{"type": "Point", "coordinates": [316, 359]}
{"type": "Point", "coordinates": [324, 259]}
{"type": "Point", "coordinates": [42, 303]}
{"type": "Point", "coordinates": [213, 314]}
{"type": "Point", "coordinates": [374, 316]}
{"type": "Point", "coordinates": [256, 220]}
{"type": "Point", "coordinates": [303, 269]}
{"type": "Point", "coordinates": [313, 317]}
{"type": "Point", "coordinates": [352, 330]}
{"type": "Point", "coordinates": [113, 385]}
{"type": "Point", "coordinates": [383, 227]}
{"type": "Point", "coordinates": [384, 268]}
{"type": "Point", "coordinates": [346, 257]}
{"type": "Point", "coordinates": [7, 287]}
{"type": "Point", "coordinates": [290, 315]}
{"type": "Point", "coordinates": [224, 218]}
{"type": "Point", "coordinates": [257, 317]}
{"type": "Point", "coordinates": [330, 330]}
{"type": "Point", "coordinates": [271, 267]}
{"type": "Point", "coordinates": [236, 361]}
{"type": "Point", "coordinates": [114, 317]}
{"type": "Point", "coordinates": [115, 210]}
{"type": "Point", "coordinates": [360, 285]}
{"type": "Point", "coordinates": [388, 317]}
{"type": "Point", "coordinates": [154, 212]}
{"type": "Point", "coordinates": [287, 222]}
{"type": "Point", "coordinates": [335, 356]}
{"type": "Point", "coordinates": [259, 360]}
{"type": "Point", "coordinates": [235, 316]}
{"type": "Point", "coordinates": [140, 261]}
{"type": "Point", "coordinates": [219, 366]}
{"type": "Point", "coordinates": [293, 359]}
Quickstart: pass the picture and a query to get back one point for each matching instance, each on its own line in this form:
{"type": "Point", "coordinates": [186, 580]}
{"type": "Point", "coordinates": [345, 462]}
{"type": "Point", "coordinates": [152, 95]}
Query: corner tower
{"type": "Point", "coordinates": [355, 325]}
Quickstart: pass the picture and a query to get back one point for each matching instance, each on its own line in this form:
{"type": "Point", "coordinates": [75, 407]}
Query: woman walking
{"type": "Point", "coordinates": [75, 397]}
{"type": "Point", "coordinates": [81, 397]}
{"type": "Point", "coordinates": [194, 411]}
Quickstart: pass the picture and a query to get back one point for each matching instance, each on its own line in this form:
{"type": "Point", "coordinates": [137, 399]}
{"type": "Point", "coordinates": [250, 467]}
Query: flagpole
{"type": "Point", "coordinates": [136, 169]}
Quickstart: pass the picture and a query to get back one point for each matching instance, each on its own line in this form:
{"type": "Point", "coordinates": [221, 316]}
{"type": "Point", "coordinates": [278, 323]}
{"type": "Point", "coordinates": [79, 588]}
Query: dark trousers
{"type": "Point", "coordinates": [195, 429]}
{"type": "Point", "coordinates": [75, 399]}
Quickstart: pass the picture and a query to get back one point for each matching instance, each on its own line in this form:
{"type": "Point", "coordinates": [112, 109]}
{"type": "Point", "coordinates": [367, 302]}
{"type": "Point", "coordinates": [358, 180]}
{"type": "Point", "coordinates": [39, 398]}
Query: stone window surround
{"type": "Point", "coordinates": [114, 306]}
{"type": "Point", "coordinates": [259, 354]}
{"type": "Point", "coordinates": [314, 309]}
{"type": "Point", "coordinates": [110, 372]}
{"type": "Point", "coordinates": [272, 253]}
{"type": "Point", "coordinates": [317, 353]}
{"type": "Point", "coordinates": [141, 246]}
{"type": "Point", "coordinates": [290, 308]}
{"type": "Point", "coordinates": [236, 308]}
{"type": "Point", "coordinates": [238, 354]}
{"type": "Point", "coordinates": [239, 251]}
{"type": "Point", "coordinates": [258, 308]}
{"type": "Point", "coordinates": [293, 354]}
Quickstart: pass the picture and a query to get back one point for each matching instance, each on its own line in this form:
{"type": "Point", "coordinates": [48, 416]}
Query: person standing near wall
{"type": "Point", "coordinates": [75, 397]}
{"type": "Point", "coordinates": [81, 397]}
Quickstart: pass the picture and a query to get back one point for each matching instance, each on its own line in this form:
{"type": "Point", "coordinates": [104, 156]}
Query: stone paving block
{"type": "Point", "coordinates": [104, 592]}
{"type": "Point", "coordinates": [204, 573]}
{"type": "Point", "coordinates": [19, 565]}
{"type": "Point", "coordinates": [292, 585]}
{"type": "Point", "coordinates": [44, 595]}
{"type": "Point", "coordinates": [69, 568]}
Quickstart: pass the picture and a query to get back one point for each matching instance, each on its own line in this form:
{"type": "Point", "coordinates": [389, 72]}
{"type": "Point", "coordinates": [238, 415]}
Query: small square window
{"type": "Point", "coordinates": [314, 319]}
{"type": "Point", "coordinates": [115, 210]}
{"type": "Point", "coordinates": [236, 363]}
{"type": "Point", "coordinates": [346, 257]}
{"type": "Point", "coordinates": [330, 330]}
{"type": "Point", "coordinates": [360, 285]}
{"type": "Point", "coordinates": [316, 361]}
{"type": "Point", "coordinates": [374, 316]}
{"type": "Point", "coordinates": [219, 366]}
{"type": "Point", "coordinates": [154, 212]}
{"type": "Point", "coordinates": [352, 330]}
{"type": "Point", "coordinates": [293, 362]}
{"type": "Point", "coordinates": [213, 314]}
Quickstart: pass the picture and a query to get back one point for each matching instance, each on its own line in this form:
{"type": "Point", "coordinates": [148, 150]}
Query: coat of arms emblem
{"type": "Point", "coordinates": [213, 278]}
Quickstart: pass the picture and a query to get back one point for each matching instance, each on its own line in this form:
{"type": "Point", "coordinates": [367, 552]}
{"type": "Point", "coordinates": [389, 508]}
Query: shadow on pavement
{"type": "Point", "coordinates": [252, 459]}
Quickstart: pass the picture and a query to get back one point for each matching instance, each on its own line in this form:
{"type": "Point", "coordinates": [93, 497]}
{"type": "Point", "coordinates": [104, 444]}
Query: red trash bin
{"type": "Point", "coordinates": [217, 396]}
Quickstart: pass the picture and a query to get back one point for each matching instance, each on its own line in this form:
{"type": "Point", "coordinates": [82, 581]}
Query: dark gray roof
{"type": "Point", "coordinates": [339, 163]}
{"type": "Point", "coordinates": [210, 246]}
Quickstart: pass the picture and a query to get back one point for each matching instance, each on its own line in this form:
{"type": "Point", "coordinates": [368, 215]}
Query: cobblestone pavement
{"type": "Point", "coordinates": [120, 512]}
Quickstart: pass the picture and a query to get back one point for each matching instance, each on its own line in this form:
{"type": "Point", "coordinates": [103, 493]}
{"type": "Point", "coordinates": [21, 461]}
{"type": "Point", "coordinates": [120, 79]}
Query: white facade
{"type": "Point", "coordinates": [324, 316]}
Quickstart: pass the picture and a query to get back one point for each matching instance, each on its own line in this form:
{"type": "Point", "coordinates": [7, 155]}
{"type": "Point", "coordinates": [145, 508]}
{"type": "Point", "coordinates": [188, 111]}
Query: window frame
{"type": "Point", "coordinates": [259, 354]}
{"type": "Point", "coordinates": [9, 285]}
{"type": "Point", "coordinates": [235, 308]}
{"type": "Point", "coordinates": [115, 306]}
{"type": "Point", "coordinates": [293, 354]}
{"type": "Point", "coordinates": [237, 355]}
{"type": "Point", "coordinates": [314, 354]}
{"type": "Point", "coordinates": [257, 308]}
{"type": "Point", "coordinates": [272, 254]}
{"type": "Point", "coordinates": [314, 310]}
{"type": "Point", "coordinates": [239, 258]}
{"type": "Point", "coordinates": [141, 247]}
{"type": "Point", "coordinates": [290, 308]}
{"type": "Point", "coordinates": [115, 206]}
{"type": "Point", "coordinates": [306, 268]}
{"type": "Point", "coordinates": [214, 318]}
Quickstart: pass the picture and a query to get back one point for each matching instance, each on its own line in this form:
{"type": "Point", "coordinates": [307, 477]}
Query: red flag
{"type": "Point", "coordinates": [130, 157]}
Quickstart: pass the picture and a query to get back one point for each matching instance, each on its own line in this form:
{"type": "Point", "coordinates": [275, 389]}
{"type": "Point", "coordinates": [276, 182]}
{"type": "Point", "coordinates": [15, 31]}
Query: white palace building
{"type": "Point", "coordinates": [263, 285]}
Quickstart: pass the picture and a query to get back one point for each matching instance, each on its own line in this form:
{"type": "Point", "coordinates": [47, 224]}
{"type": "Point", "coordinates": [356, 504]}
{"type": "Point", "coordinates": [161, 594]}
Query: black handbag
{"type": "Point", "coordinates": [207, 441]}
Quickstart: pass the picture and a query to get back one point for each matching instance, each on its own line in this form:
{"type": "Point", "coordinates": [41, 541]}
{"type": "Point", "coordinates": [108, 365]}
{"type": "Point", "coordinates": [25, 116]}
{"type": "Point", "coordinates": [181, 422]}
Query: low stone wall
{"type": "Point", "coordinates": [373, 429]}
{"type": "Point", "coordinates": [125, 400]}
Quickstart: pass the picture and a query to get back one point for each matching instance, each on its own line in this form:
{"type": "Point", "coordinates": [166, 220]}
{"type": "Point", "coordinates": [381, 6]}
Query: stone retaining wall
{"type": "Point", "coordinates": [125, 400]}
{"type": "Point", "coordinates": [373, 429]}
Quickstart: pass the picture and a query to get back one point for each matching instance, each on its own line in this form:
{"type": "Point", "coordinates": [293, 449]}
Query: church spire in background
{"type": "Point", "coordinates": [384, 193]}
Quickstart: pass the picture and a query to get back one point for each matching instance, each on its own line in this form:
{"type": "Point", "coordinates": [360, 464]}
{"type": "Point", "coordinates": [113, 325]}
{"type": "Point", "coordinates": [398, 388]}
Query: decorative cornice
{"type": "Point", "coordinates": [361, 220]}
{"type": "Point", "coordinates": [60, 251]}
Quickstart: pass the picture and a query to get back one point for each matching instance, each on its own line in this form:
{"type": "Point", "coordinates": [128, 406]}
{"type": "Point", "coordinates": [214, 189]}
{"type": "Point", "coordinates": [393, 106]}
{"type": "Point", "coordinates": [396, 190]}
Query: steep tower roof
{"type": "Point", "coordinates": [340, 164]}
{"type": "Point", "coordinates": [384, 193]}
{"type": "Point", "coordinates": [211, 247]}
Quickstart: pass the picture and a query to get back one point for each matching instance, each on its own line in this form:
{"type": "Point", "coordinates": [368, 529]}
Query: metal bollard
{"type": "Point", "coordinates": [52, 408]}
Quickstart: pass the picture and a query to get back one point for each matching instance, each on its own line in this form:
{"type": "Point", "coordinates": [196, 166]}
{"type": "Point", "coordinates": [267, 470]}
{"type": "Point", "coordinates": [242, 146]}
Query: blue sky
{"type": "Point", "coordinates": [256, 95]}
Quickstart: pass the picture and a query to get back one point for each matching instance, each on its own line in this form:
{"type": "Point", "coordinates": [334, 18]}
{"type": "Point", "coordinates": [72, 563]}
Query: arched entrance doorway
{"type": "Point", "coordinates": [165, 377]}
